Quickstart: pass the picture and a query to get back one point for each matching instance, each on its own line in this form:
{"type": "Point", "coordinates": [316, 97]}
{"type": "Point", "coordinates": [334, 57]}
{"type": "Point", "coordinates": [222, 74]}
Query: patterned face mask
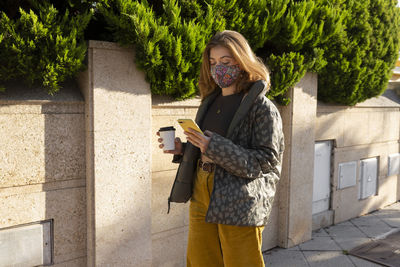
{"type": "Point", "coordinates": [224, 76]}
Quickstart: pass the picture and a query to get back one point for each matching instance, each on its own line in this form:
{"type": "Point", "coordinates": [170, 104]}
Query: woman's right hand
{"type": "Point", "coordinates": [178, 146]}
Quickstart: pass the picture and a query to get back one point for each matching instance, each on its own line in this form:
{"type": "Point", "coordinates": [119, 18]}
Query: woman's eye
{"type": "Point", "coordinates": [212, 63]}
{"type": "Point", "coordinates": [225, 63]}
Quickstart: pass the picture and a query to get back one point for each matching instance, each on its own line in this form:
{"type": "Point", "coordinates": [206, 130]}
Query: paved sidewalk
{"type": "Point", "coordinates": [329, 245]}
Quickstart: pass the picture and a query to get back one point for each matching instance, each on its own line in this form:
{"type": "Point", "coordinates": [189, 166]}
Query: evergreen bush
{"type": "Point", "coordinates": [361, 60]}
{"type": "Point", "coordinates": [42, 45]}
{"type": "Point", "coordinates": [352, 45]}
{"type": "Point", "coordinates": [169, 42]}
{"type": "Point", "coordinates": [287, 34]}
{"type": "Point", "coordinates": [168, 47]}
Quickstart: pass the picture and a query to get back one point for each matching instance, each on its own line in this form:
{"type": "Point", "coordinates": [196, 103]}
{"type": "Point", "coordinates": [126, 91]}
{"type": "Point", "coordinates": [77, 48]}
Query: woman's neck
{"type": "Point", "coordinates": [229, 90]}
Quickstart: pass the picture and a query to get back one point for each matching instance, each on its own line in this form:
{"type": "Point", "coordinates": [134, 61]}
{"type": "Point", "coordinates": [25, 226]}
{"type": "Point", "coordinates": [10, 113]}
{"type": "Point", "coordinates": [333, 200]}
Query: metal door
{"type": "Point", "coordinates": [322, 170]}
{"type": "Point", "coordinates": [369, 177]}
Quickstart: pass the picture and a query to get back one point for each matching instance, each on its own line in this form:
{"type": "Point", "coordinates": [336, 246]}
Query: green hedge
{"type": "Point", "coordinates": [361, 60]}
{"type": "Point", "coordinates": [41, 45]}
{"type": "Point", "coordinates": [169, 42]}
{"type": "Point", "coordinates": [352, 45]}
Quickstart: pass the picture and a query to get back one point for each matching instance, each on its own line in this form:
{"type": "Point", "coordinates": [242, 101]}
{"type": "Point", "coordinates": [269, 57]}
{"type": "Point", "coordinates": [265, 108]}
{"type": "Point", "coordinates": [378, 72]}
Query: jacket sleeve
{"type": "Point", "coordinates": [265, 153]}
{"type": "Point", "coordinates": [178, 158]}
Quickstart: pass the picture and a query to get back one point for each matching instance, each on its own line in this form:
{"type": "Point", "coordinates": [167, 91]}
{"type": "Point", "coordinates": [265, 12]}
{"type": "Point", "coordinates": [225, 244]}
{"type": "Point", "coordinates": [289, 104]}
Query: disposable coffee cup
{"type": "Point", "coordinates": [168, 136]}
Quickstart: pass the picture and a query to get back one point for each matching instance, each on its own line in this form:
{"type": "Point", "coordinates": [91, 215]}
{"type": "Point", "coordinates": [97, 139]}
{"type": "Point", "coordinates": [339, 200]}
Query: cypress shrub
{"type": "Point", "coordinates": [296, 48]}
{"type": "Point", "coordinates": [351, 44]}
{"type": "Point", "coordinates": [42, 46]}
{"type": "Point", "coordinates": [169, 38]}
{"type": "Point", "coordinates": [360, 62]}
{"type": "Point", "coordinates": [168, 47]}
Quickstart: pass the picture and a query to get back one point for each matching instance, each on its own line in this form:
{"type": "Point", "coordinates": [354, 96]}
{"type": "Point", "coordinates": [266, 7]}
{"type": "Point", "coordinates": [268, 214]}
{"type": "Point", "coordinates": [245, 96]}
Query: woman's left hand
{"type": "Point", "coordinates": [198, 139]}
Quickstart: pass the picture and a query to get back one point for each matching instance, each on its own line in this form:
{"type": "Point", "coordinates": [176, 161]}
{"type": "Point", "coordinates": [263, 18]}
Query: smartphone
{"type": "Point", "coordinates": [189, 123]}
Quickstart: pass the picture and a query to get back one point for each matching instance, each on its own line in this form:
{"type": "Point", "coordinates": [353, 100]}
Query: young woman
{"type": "Point", "coordinates": [230, 172]}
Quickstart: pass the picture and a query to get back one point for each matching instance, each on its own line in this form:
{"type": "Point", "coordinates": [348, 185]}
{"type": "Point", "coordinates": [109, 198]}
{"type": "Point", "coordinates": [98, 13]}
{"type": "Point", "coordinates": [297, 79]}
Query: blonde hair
{"type": "Point", "coordinates": [252, 66]}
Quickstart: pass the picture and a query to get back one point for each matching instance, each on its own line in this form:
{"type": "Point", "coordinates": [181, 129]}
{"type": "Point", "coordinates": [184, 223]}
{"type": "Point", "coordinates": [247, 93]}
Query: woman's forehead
{"type": "Point", "coordinates": [218, 52]}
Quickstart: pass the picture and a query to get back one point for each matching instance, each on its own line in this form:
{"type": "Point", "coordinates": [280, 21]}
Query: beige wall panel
{"type": "Point", "coordinates": [271, 230]}
{"type": "Point", "coordinates": [348, 205]}
{"type": "Point", "coordinates": [41, 148]}
{"type": "Point", "coordinates": [300, 160]}
{"type": "Point", "coordinates": [64, 146]}
{"type": "Point", "coordinates": [330, 126]}
{"type": "Point", "coordinates": [356, 129]}
{"type": "Point", "coordinates": [387, 185]}
{"type": "Point", "coordinates": [111, 113]}
{"type": "Point", "coordinates": [23, 149]}
{"type": "Point", "coordinates": [161, 188]}
{"type": "Point", "coordinates": [66, 206]}
{"type": "Point", "coordinates": [391, 127]}
{"type": "Point", "coordinates": [169, 248]}
{"type": "Point", "coordinates": [296, 183]}
{"type": "Point", "coordinates": [387, 191]}
{"type": "Point", "coordinates": [80, 262]}
{"type": "Point", "coordinates": [118, 136]}
{"type": "Point", "coordinates": [13, 109]}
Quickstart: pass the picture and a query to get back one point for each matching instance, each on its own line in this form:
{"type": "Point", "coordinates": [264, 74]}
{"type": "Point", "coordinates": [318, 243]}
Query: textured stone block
{"type": "Point", "coordinates": [169, 248]}
{"type": "Point", "coordinates": [161, 187]}
{"type": "Point", "coordinates": [67, 207]}
{"type": "Point", "coordinates": [41, 148]}
{"type": "Point", "coordinates": [296, 188]}
{"type": "Point", "coordinates": [330, 126]}
{"type": "Point", "coordinates": [356, 128]}
{"type": "Point", "coordinates": [118, 130]}
{"type": "Point", "coordinates": [271, 230]}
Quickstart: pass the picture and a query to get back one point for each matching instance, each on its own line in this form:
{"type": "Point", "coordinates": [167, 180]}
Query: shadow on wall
{"type": "Point", "coordinates": [64, 145]}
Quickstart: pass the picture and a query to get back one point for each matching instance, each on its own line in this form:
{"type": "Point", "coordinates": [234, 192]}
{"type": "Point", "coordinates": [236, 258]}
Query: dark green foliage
{"type": "Point", "coordinates": [168, 47]}
{"type": "Point", "coordinates": [351, 44]}
{"type": "Point", "coordinates": [170, 37]}
{"type": "Point", "coordinates": [287, 34]}
{"type": "Point", "coordinates": [360, 62]}
{"type": "Point", "coordinates": [43, 46]}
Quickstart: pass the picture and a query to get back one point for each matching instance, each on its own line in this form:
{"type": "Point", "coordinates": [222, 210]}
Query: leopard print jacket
{"type": "Point", "coordinates": [248, 159]}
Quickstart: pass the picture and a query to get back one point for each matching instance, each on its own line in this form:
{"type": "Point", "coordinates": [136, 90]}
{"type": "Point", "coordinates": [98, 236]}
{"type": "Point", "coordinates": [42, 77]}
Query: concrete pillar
{"type": "Point", "coordinates": [296, 185]}
{"type": "Point", "coordinates": [118, 158]}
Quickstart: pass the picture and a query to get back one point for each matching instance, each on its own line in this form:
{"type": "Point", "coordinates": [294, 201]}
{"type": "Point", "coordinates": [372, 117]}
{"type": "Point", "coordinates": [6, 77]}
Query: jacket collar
{"type": "Point", "coordinates": [259, 88]}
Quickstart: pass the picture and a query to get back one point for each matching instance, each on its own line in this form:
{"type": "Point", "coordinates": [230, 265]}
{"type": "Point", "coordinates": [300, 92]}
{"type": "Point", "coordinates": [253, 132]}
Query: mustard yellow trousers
{"type": "Point", "coordinates": [219, 245]}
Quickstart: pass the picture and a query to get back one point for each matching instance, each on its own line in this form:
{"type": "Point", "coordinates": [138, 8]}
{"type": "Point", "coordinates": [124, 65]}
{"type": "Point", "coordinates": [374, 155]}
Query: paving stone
{"type": "Point", "coordinates": [342, 230]}
{"type": "Point", "coordinates": [371, 225]}
{"type": "Point", "coordinates": [347, 236]}
{"type": "Point", "coordinates": [395, 206]}
{"type": "Point", "coordinates": [389, 216]}
{"type": "Point", "coordinates": [285, 258]}
{"type": "Point", "coordinates": [376, 230]}
{"type": "Point", "coordinates": [320, 232]}
{"type": "Point", "coordinates": [347, 243]}
{"type": "Point", "coordinates": [294, 248]}
{"type": "Point", "coordinates": [358, 262]}
{"type": "Point", "coordinates": [320, 243]}
{"type": "Point", "coordinates": [327, 259]}
{"type": "Point", "coordinates": [366, 220]}
{"type": "Point", "coordinates": [344, 223]}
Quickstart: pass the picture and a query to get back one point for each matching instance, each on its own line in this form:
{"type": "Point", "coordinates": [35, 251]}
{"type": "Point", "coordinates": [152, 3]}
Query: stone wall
{"type": "Point", "coordinates": [118, 158]}
{"type": "Point", "coordinates": [42, 167]}
{"type": "Point", "coordinates": [169, 231]}
{"type": "Point", "coordinates": [93, 166]}
{"type": "Point", "coordinates": [369, 129]}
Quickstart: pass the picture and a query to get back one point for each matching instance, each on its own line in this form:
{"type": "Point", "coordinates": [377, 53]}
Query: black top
{"type": "Point", "coordinates": [220, 113]}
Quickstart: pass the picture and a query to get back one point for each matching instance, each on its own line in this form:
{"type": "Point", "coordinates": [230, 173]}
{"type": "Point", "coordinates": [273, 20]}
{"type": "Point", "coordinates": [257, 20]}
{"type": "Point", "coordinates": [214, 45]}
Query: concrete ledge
{"type": "Point", "coordinates": [19, 93]}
